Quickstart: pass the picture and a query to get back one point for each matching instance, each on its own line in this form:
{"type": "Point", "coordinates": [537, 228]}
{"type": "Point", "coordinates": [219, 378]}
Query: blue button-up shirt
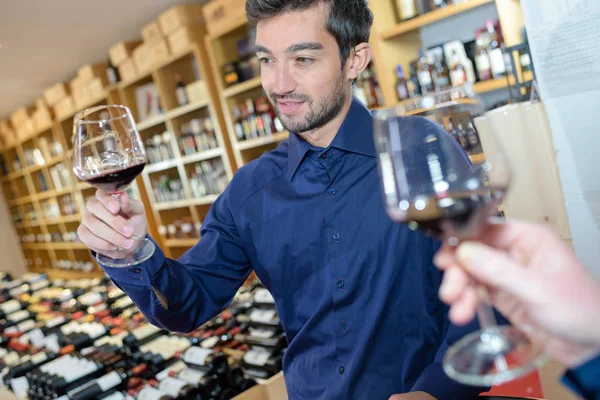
{"type": "Point", "coordinates": [355, 292]}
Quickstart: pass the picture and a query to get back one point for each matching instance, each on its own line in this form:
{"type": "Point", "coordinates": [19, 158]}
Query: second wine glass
{"type": "Point", "coordinates": [430, 184]}
{"type": "Point", "coordinates": [108, 154]}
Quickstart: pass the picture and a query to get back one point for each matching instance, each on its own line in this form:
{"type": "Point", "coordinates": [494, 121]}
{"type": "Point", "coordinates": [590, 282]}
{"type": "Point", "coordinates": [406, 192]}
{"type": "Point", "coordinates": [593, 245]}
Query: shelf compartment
{"type": "Point", "coordinates": [431, 17]}
{"type": "Point", "coordinates": [242, 87]}
{"type": "Point", "coordinates": [186, 203]}
{"type": "Point", "coordinates": [262, 141]}
{"type": "Point", "coordinates": [202, 155]}
{"type": "Point", "coordinates": [160, 166]}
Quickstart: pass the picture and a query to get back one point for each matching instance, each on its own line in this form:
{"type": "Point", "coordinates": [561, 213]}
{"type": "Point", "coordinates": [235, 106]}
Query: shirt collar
{"type": "Point", "coordinates": [355, 136]}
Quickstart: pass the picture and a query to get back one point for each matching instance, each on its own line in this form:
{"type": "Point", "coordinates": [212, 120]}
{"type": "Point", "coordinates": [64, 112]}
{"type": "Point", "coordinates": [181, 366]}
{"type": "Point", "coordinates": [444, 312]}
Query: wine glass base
{"type": "Point", "coordinates": [492, 356]}
{"type": "Point", "coordinates": [142, 254]}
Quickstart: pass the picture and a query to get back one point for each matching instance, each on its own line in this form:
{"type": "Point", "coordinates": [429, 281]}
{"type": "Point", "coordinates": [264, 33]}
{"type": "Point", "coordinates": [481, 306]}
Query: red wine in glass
{"type": "Point", "coordinates": [116, 181]}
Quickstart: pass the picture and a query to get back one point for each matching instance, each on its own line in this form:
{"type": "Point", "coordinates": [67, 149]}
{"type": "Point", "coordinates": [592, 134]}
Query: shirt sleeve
{"type": "Point", "coordinates": [585, 379]}
{"type": "Point", "coordinates": [199, 285]}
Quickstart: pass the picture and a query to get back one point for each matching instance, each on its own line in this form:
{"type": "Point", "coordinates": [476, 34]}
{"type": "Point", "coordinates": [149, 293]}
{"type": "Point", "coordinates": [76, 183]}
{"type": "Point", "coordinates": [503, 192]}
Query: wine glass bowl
{"type": "Point", "coordinates": [430, 183]}
{"type": "Point", "coordinates": [108, 154]}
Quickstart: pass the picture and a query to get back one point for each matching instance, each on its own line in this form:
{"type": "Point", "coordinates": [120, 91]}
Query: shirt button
{"type": "Point", "coordinates": [341, 283]}
{"type": "Point", "coordinates": [341, 370]}
{"type": "Point", "coordinates": [344, 326]}
{"type": "Point", "coordinates": [336, 235]}
{"type": "Point", "coordinates": [136, 270]}
{"type": "Point", "coordinates": [331, 191]}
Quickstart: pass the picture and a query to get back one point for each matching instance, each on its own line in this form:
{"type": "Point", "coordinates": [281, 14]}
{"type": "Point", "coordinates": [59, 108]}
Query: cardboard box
{"type": "Point", "coordinates": [25, 130]}
{"type": "Point", "coordinates": [197, 92]}
{"type": "Point", "coordinates": [56, 93]}
{"type": "Point", "coordinates": [151, 33]}
{"type": "Point", "coordinates": [142, 57]}
{"type": "Point", "coordinates": [273, 389]}
{"type": "Point", "coordinates": [120, 52]}
{"type": "Point", "coordinates": [178, 17]}
{"type": "Point", "coordinates": [64, 108]}
{"type": "Point", "coordinates": [96, 88]}
{"type": "Point", "coordinates": [79, 92]}
{"type": "Point", "coordinates": [40, 103]}
{"type": "Point", "coordinates": [220, 14]}
{"type": "Point", "coordinates": [21, 116]}
{"type": "Point", "coordinates": [183, 38]}
{"type": "Point", "coordinates": [128, 70]}
{"type": "Point", "coordinates": [159, 52]}
{"type": "Point", "coordinates": [42, 119]}
{"type": "Point", "coordinates": [92, 71]}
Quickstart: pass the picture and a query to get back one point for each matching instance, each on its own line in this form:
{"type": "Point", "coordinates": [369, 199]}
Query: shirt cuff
{"type": "Point", "coordinates": [140, 274]}
{"type": "Point", "coordinates": [434, 381]}
{"type": "Point", "coordinates": [585, 379]}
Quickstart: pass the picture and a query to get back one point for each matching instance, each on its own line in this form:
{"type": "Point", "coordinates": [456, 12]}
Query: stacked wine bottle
{"type": "Point", "coordinates": [85, 339]}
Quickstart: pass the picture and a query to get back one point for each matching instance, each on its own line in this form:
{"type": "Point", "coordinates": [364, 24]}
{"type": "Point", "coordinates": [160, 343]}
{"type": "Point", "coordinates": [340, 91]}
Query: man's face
{"type": "Point", "coordinates": [301, 69]}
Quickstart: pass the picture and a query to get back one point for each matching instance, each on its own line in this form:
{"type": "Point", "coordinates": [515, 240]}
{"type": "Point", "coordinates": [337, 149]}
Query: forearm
{"type": "Point", "coordinates": [178, 295]}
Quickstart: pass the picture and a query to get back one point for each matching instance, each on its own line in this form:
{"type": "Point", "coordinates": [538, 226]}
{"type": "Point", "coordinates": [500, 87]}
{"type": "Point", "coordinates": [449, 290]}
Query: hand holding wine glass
{"type": "Point", "coordinates": [108, 153]}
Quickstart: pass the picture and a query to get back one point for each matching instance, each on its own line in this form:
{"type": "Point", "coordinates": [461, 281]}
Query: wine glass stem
{"type": "Point", "coordinates": [487, 319]}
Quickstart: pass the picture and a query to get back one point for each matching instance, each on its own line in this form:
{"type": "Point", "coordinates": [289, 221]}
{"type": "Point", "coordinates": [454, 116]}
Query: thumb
{"type": "Point", "coordinates": [494, 268]}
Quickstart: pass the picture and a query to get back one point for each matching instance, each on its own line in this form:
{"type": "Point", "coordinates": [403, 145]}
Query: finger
{"type": "Point", "coordinates": [94, 242]}
{"type": "Point", "coordinates": [463, 310]}
{"type": "Point", "coordinates": [453, 285]}
{"type": "Point", "coordinates": [108, 201]}
{"type": "Point", "coordinates": [117, 222]}
{"type": "Point", "coordinates": [445, 257]}
{"type": "Point", "coordinates": [103, 231]}
{"type": "Point", "coordinates": [129, 206]}
{"type": "Point", "coordinates": [494, 268]}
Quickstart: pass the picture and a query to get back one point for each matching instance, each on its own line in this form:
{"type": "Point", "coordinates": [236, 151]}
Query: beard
{"type": "Point", "coordinates": [320, 112]}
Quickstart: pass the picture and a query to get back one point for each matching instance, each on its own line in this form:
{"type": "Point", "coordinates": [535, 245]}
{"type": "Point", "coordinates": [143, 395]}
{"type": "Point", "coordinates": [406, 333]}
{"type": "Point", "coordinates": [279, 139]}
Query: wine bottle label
{"type": "Point", "coordinates": [257, 357]}
{"type": "Point", "coordinates": [109, 381]}
{"type": "Point", "coordinates": [39, 358]}
{"type": "Point", "coordinates": [181, 96]}
{"type": "Point", "coordinates": [36, 337]}
{"type": "Point", "coordinates": [425, 78]}
{"type": "Point", "coordinates": [210, 342]}
{"type": "Point", "coordinates": [191, 375]}
{"type": "Point", "coordinates": [3, 352]}
{"type": "Point", "coordinates": [172, 386]}
{"type": "Point", "coordinates": [525, 60]}
{"type": "Point", "coordinates": [262, 333]}
{"type": "Point", "coordinates": [10, 306]}
{"type": "Point", "coordinates": [458, 77]}
{"type": "Point", "coordinates": [262, 316]}
{"type": "Point", "coordinates": [497, 61]}
{"type": "Point", "coordinates": [40, 285]}
{"type": "Point", "coordinates": [18, 291]}
{"type": "Point", "coordinates": [176, 368]}
{"type": "Point", "coordinates": [263, 296]}
{"type": "Point", "coordinates": [407, 9]}
{"type": "Point", "coordinates": [144, 331]}
{"type": "Point", "coordinates": [116, 396]}
{"type": "Point", "coordinates": [482, 62]}
{"type": "Point", "coordinates": [26, 325]}
{"type": "Point", "coordinates": [124, 302]}
{"type": "Point", "coordinates": [20, 386]}
{"type": "Point", "coordinates": [90, 298]}
{"type": "Point", "coordinates": [150, 393]}
{"type": "Point", "coordinates": [11, 358]}
{"type": "Point", "coordinates": [196, 355]}
{"type": "Point", "coordinates": [18, 316]}
{"type": "Point", "coordinates": [51, 343]}
{"type": "Point", "coordinates": [55, 321]}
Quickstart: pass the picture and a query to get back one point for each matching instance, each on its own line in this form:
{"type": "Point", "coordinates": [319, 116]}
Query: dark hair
{"type": "Point", "coordinates": [349, 21]}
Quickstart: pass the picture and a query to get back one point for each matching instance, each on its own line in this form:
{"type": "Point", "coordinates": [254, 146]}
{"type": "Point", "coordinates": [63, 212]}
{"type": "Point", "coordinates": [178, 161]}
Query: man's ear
{"type": "Point", "coordinates": [359, 59]}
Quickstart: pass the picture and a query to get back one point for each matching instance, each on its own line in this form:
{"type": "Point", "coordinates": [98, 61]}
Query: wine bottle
{"type": "Point", "coordinates": [206, 359]}
{"type": "Point", "coordinates": [180, 92]}
{"type": "Point", "coordinates": [141, 335]}
{"type": "Point", "coordinates": [260, 358]}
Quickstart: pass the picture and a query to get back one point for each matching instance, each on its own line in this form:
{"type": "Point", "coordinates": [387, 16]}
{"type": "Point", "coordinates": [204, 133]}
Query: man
{"type": "Point", "coordinates": [535, 279]}
{"type": "Point", "coordinates": [356, 293]}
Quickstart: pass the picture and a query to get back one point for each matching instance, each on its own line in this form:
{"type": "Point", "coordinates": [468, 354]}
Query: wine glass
{"type": "Point", "coordinates": [429, 183]}
{"type": "Point", "coordinates": [108, 153]}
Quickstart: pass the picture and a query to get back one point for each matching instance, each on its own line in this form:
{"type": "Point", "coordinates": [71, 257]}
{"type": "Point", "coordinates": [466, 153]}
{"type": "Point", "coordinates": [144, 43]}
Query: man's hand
{"type": "Point", "coordinates": [413, 396]}
{"type": "Point", "coordinates": [533, 279]}
{"type": "Point", "coordinates": [113, 227]}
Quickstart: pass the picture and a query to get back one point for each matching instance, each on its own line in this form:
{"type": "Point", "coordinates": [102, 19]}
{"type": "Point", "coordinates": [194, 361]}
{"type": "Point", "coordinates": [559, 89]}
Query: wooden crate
{"type": "Point", "coordinates": [183, 38]}
{"type": "Point", "coordinates": [21, 116]}
{"type": "Point", "coordinates": [128, 70]}
{"type": "Point", "coordinates": [122, 51]}
{"type": "Point", "coordinates": [151, 33]}
{"type": "Point", "coordinates": [92, 71]}
{"type": "Point", "coordinates": [95, 88]}
{"type": "Point", "coordinates": [42, 118]}
{"type": "Point", "coordinates": [220, 14]}
{"type": "Point", "coordinates": [25, 130]}
{"type": "Point", "coordinates": [79, 92]}
{"type": "Point", "coordinates": [197, 92]}
{"type": "Point", "coordinates": [159, 52]}
{"type": "Point", "coordinates": [56, 93]}
{"type": "Point", "coordinates": [64, 108]}
{"type": "Point", "coordinates": [142, 57]}
{"type": "Point", "coordinates": [178, 17]}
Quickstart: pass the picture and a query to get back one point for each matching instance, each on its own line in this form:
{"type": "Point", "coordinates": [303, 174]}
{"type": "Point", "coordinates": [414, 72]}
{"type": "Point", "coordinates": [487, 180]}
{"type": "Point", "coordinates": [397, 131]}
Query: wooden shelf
{"type": "Point", "coordinates": [20, 201]}
{"type": "Point", "coordinates": [89, 104]}
{"type": "Point", "coordinates": [62, 219]}
{"type": "Point", "coordinates": [203, 155]}
{"type": "Point", "coordinates": [233, 25]}
{"type": "Point", "coordinates": [13, 175]}
{"type": "Point", "coordinates": [53, 193]}
{"type": "Point", "coordinates": [431, 17]}
{"type": "Point", "coordinates": [185, 203]}
{"type": "Point", "coordinates": [500, 83]}
{"type": "Point", "coordinates": [151, 122]}
{"type": "Point", "coordinates": [179, 111]}
{"type": "Point", "coordinates": [181, 242]}
{"type": "Point", "coordinates": [139, 77]}
{"type": "Point", "coordinates": [67, 246]}
{"type": "Point", "coordinates": [261, 141]}
{"type": "Point", "coordinates": [242, 87]}
{"type": "Point", "coordinates": [160, 166]}
{"type": "Point", "coordinates": [27, 224]}
{"type": "Point", "coordinates": [477, 158]}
